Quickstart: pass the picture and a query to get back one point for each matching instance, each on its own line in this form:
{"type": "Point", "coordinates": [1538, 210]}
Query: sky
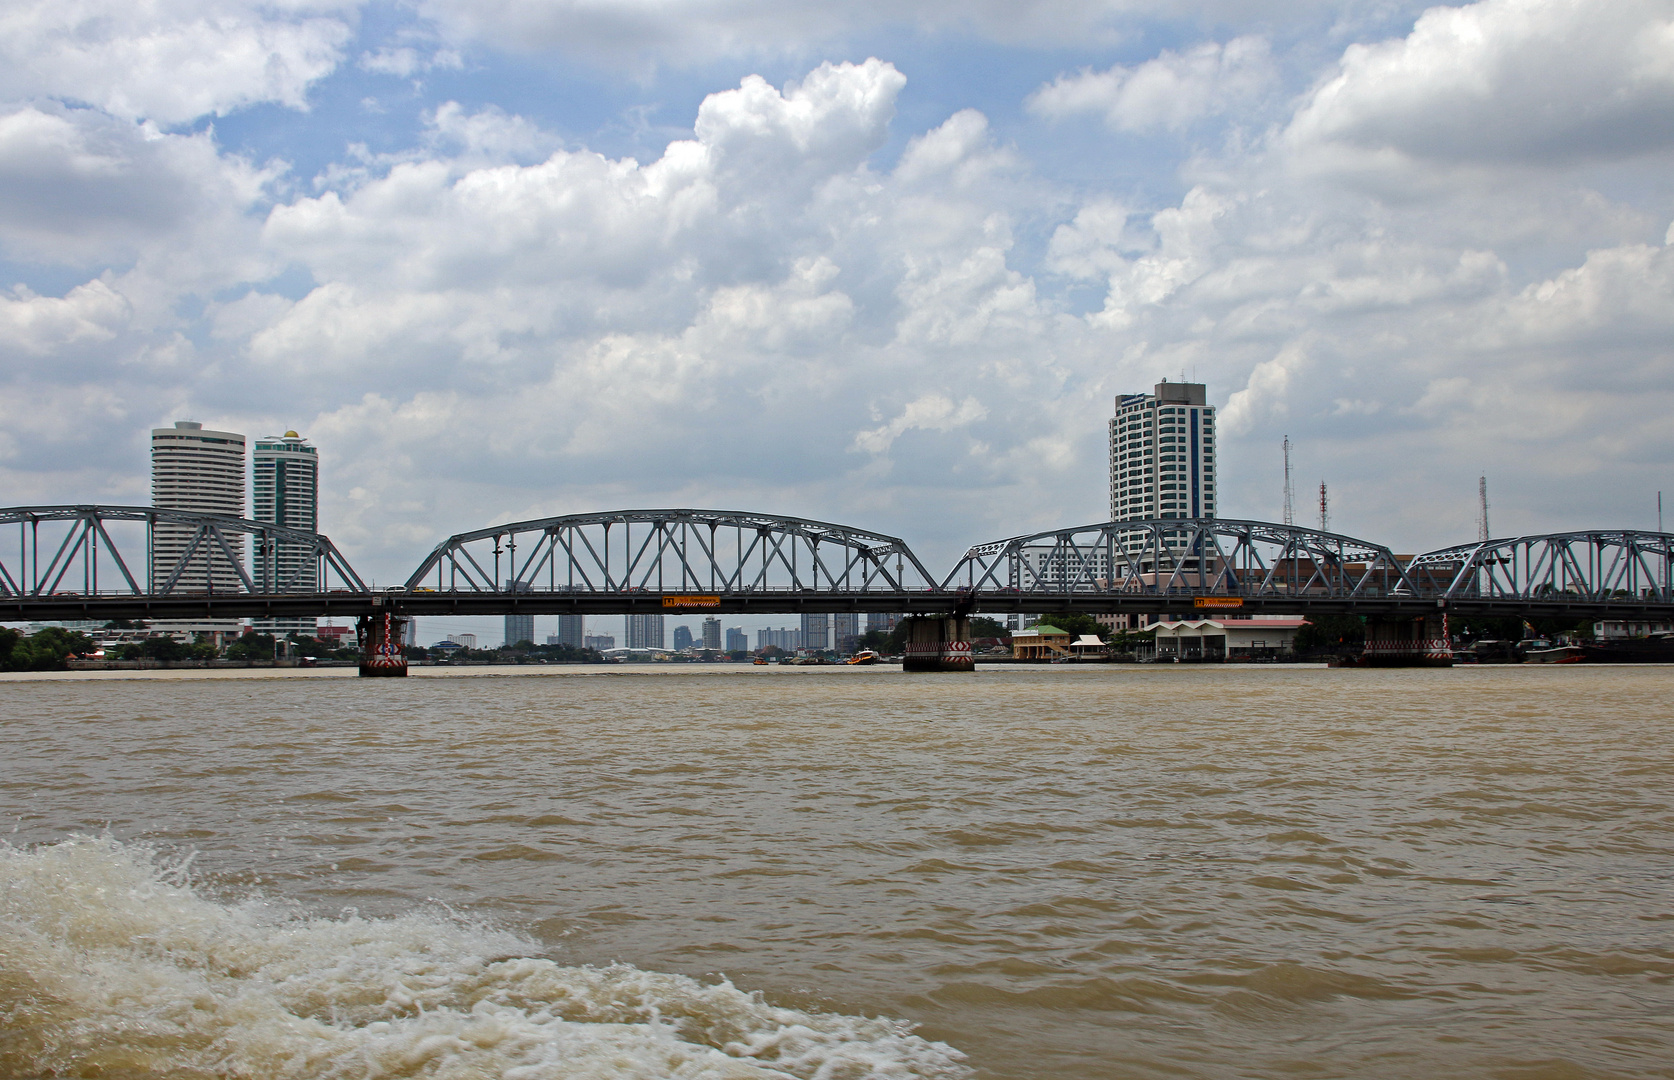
{"type": "Point", "coordinates": [879, 264]}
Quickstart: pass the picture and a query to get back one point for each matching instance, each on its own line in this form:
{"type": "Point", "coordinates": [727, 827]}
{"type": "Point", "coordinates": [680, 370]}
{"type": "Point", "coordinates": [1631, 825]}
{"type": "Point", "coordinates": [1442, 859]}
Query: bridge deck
{"type": "Point", "coordinates": [348, 605]}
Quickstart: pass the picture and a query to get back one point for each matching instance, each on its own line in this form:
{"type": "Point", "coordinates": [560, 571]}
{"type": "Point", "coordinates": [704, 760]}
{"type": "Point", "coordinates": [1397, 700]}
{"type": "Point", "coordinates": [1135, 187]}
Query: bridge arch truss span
{"type": "Point", "coordinates": [721, 552]}
{"type": "Point", "coordinates": [1180, 556]}
{"type": "Point", "coordinates": [1595, 567]}
{"type": "Point", "coordinates": [93, 550]}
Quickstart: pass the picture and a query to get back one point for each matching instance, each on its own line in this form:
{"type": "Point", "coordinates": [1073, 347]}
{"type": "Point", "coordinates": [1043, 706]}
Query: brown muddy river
{"type": "Point", "coordinates": [1026, 873]}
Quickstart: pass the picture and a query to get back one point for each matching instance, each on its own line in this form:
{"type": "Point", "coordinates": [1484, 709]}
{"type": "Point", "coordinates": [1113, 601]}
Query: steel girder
{"type": "Point", "coordinates": [81, 541]}
{"type": "Point", "coordinates": [1591, 566]}
{"type": "Point", "coordinates": [671, 551]}
{"type": "Point", "coordinates": [1183, 557]}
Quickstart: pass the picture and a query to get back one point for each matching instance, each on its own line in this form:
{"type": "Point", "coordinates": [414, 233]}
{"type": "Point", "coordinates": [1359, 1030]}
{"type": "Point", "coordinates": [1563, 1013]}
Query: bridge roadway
{"type": "Point", "coordinates": [111, 562]}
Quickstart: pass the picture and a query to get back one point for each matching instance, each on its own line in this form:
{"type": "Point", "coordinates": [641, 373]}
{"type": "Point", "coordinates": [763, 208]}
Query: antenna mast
{"type": "Point", "coordinates": [1290, 516]}
{"type": "Point", "coordinates": [1324, 515]}
{"type": "Point", "coordinates": [1482, 495]}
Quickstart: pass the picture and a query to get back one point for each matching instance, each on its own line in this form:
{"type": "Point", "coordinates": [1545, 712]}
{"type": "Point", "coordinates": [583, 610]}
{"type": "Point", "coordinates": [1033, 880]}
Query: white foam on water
{"type": "Point", "coordinates": [111, 964]}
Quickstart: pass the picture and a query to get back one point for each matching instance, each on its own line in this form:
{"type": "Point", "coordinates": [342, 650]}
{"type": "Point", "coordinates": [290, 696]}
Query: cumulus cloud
{"type": "Point", "coordinates": [704, 29]}
{"type": "Point", "coordinates": [170, 60]}
{"type": "Point", "coordinates": [42, 324]}
{"type": "Point", "coordinates": [1265, 392]}
{"type": "Point", "coordinates": [1170, 92]}
{"type": "Point", "coordinates": [494, 322]}
{"type": "Point", "coordinates": [79, 185]}
{"type": "Point", "coordinates": [751, 291]}
{"type": "Point", "coordinates": [932, 412]}
{"type": "Point", "coordinates": [1503, 81]}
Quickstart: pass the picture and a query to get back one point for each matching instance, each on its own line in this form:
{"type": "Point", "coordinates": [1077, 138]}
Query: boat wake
{"type": "Point", "coordinates": [111, 964]}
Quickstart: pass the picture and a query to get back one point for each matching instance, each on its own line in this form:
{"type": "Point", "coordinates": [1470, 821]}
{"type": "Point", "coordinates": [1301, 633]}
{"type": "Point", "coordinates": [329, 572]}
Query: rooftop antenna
{"type": "Point", "coordinates": [1290, 517]}
{"type": "Point", "coordinates": [1324, 515]}
{"type": "Point", "coordinates": [1482, 495]}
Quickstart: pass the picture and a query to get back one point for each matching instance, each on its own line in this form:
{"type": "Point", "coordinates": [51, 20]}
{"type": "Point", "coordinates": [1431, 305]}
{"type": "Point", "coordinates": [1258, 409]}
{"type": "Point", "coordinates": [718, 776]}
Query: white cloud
{"type": "Point", "coordinates": [1499, 82]}
{"type": "Point", "coordinates": [41, 324]}
{"type": "Point", "coordinates": [701, 30]}
{"type": "Point", "coordinates": [1170, 92]}
{"type": "Point", "coordinates": [1265, 393]}
{"type": "Point", "coordinates": [493, 322]}
{"type": "Point", "coordinates": [404, 61]}
{"type": "Point", "coordinates": [169, 60]}
{"type": "Point", "coordinates": [932, 412]}
{"type": "Point", "coordinates": [77, 185]}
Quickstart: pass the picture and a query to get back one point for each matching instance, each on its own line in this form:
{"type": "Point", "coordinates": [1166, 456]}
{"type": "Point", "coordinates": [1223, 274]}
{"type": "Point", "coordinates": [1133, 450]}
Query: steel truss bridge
{"type": "Point", "coordinates": [103, 562]}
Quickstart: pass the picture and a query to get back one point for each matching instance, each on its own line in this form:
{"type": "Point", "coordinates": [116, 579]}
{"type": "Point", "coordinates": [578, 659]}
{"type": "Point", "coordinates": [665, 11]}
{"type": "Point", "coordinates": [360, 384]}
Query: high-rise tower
{"type": "Point", "coordinates": [644, 631]}
{"type": "Point", "coordinates": [202, 471]}
{"type": "Point", "coordinates": [571, 630]}
{"type": "Point", "coordinates": [845, 631]}
{"type": "Point", "coordinates": [519, 628]}
{"type": "Point", "coordinates": [285, 490]}
{"type": "Point", "coordinates": [816, 631]}
{"type": "Point", "coordinates": [1162, 454]}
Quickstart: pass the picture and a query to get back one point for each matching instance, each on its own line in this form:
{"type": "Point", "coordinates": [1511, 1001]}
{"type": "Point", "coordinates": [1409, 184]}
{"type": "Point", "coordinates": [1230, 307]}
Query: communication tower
{"type": "Point", "coordinates": [1290, 515]}
{"type": "Point", "coordinates": [1324, 515]}
{"type": "Point", "coordinates": [1482, 532]}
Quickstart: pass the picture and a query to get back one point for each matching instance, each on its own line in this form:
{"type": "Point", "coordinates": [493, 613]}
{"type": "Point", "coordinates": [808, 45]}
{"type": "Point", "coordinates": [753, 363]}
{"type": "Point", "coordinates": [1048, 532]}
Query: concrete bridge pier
{"type": "Point", "coordinates": [383, 653]}
{"type": "Point", "coordinates": [1407, 641]}
{"type": "Point", "coordinates": [938, 643]}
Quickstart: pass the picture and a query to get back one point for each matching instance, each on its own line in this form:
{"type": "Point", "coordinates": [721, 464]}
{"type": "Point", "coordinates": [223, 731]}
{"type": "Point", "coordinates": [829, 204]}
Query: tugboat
{"type": "Point", "coordinates": [863, 657]}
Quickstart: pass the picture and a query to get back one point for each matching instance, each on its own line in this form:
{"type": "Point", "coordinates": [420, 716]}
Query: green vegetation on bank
{"type": "Point", "coordinates": [45, 650]}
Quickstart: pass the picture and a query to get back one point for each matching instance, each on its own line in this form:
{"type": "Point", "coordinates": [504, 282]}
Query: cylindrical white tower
{"type": "Point", "coordinates": [202, 471]}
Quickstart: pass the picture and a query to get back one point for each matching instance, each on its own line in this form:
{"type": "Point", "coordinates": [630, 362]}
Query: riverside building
{"type": "Point", "coordinates": [520, 628]}
{"type": "Point", "coordinates": [816, 632]}
{"type": "Point", "coordinates": [1162, 465]}
{"type": "Point", "coordinates": [201, 471]}
{"type": "Point", "coordinates": [845, 631]}
{"type": "Point", "coordinates": [785, 639]}
{"type": "Point", "coordinates": [572, 630]}
{"type": "Point", "coordinates": [644, 631]}
{"type": "Point", "coordinates": [1162, 454]}
{"type": "Point", "coordinates": [285, 490]}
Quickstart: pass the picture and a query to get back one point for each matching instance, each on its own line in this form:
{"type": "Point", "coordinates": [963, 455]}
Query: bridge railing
{"type": "Point", "coordinates": [698, 551]}
{"type": "Point", "coordinates": [1183, 556]}
{"type": "Point", "coordinates": [96, 550]}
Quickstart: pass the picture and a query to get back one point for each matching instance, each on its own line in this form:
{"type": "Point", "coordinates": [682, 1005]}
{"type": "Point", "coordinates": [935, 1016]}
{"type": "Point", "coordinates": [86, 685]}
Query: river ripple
{"type": "Point", "coordinates": [1063, 873]}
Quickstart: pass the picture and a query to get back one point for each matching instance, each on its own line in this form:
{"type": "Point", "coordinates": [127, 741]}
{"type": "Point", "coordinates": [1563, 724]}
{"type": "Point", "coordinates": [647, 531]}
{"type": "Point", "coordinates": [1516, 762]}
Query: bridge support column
{"type": "Point", "coordinates": [938, 643]}
{"type": "Point", "coordinates": [383, 653]}
{"type": "Point", "coordinates": [1407, 642]}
